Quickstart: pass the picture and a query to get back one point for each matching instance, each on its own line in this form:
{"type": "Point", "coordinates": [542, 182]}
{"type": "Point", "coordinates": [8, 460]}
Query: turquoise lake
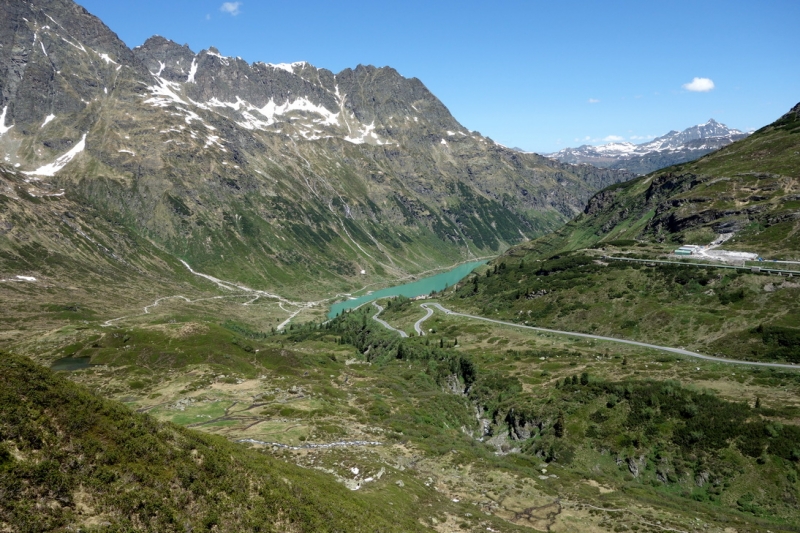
{"type": "Point", "coordinates": [417, 288]}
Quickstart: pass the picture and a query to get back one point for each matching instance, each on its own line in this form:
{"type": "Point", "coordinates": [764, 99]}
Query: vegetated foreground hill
{"type": "Point", "coordinates": [274, 175]}
{"type": "Point", "coordinates": [750, 188]}
{"type": "Point", "coordinates": [670, 149]}
{"type": "Point", "coordinates": [69, 459]}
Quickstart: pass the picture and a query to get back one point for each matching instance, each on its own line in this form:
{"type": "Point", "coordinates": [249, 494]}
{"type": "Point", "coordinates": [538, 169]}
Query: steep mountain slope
{"type": "Point", "coordinates": [671, 149]}
{"type": "Point", "coordinates": [750, 188]}
{"type": "Point", "coordinates": [286, 176]}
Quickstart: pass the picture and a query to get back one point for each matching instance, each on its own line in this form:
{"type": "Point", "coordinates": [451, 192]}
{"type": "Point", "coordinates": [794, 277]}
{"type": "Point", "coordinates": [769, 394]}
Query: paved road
{"type": "Point", "coordinates": [418, 323]}
{"type": "Point", "coordinates": [678, 351]}
{"type": "Point", "coordinates": [384, 323]}
{"type": "Point", "coordinates": [763, 269]}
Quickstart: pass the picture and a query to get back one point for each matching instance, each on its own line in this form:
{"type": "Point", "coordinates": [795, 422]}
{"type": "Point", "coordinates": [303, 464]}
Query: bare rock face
{"type": "Point", "coordinates": [454, 386]}
{"type": "Point", "coordinates": [55, 57]}
{"type": "Point", "coordinates": [522, 427]}
{"type": "Point", "coordinates": [633, 467]}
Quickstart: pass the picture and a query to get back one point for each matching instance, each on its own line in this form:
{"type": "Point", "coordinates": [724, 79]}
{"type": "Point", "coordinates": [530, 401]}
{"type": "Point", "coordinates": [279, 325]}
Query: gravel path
{"type": "Point", "coordinates": [340, 444]}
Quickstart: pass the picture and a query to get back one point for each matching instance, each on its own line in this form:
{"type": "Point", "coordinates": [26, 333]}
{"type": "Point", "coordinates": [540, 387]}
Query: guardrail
{"type": "Point", "coordinates": [757, 269]}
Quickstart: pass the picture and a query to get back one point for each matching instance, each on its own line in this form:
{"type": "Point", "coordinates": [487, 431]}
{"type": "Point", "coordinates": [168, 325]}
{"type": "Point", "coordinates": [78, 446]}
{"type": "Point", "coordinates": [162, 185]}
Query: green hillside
{"type": "Point", "coordinates": [69, 459]}
{"type": "Point", "coordinates": [733, 313]}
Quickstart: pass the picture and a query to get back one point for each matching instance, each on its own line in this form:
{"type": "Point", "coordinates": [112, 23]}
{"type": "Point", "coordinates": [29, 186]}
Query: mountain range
{"type": "Point", "coordinates": [306, 177]}
{"type": "Point", "coordinates": [671, 149]}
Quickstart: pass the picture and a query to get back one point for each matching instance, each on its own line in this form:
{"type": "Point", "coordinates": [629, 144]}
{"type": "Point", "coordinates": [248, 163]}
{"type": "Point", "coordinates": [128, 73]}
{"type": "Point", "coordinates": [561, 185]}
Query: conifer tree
{"type": "Point", "coordinates": [558, 427]}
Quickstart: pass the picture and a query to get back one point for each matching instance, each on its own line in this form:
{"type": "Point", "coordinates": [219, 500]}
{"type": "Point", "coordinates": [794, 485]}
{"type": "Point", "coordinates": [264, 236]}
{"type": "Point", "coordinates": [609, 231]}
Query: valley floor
{"type": "Point", "coordinates": [375, 413]}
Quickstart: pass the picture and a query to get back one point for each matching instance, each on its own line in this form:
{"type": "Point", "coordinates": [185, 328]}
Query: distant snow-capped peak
{"type": "Point", "coordinates": [674, 140]}
{"type": "Point", "coordinates": [671, 148]}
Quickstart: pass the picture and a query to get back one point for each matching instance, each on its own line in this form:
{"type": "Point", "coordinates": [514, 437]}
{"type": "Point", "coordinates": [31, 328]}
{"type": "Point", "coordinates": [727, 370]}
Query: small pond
{"type": "Point", "coordinates": [71, 363]}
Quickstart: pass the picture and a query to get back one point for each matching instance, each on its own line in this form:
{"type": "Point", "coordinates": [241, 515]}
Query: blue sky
{"type": "Point", "coordinates": [535, 75]}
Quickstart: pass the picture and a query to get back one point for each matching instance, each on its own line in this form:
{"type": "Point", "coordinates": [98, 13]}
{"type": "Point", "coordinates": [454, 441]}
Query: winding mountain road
{"type": "Point", "coordinates": [679, 351]}
{"type": "Point", "coordinates": [418, 323]}
{"type": "Point", "coordinates": [384, 323]}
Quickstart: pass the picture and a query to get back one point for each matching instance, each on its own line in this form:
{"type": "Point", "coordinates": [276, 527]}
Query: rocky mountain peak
{"type": "Point", "coordinates": [165, 58]}
{"type": "Point", "coordinates": [57, 59]}
{"type": "Point", "coordinates": [366, 104]}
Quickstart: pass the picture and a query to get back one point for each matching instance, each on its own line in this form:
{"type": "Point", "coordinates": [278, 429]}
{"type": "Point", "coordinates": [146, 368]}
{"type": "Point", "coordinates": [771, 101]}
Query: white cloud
{"type": "Point", "coordinates": [208, 16]}
{"type": "Point", "coordinates": [593, 100]}
{"type": "Point", "coordinates": [232, 8]}
{"type": "Point", "coordinates": [699, 85]}
{"type": "Point", "coordinates": [613, 138]}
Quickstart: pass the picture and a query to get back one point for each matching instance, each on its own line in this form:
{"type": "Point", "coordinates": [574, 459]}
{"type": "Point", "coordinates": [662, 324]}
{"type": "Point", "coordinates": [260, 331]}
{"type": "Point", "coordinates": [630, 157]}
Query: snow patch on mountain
{"type": "Point", "coordinates": [3, 128]}
{"type": "Point", "coordinates": [616, 148]}
{"type": "Point", "coordinates": [365, 133]}
{"type": "Point", "coordinates": [192, 71]}
{"type": "Point", "coordinates": [271, 110]}
{"type": "Point", "coordinates": [107, 59]}
{"type": "Point", "coordinates": [222, 59]}
{"type": "Point", "coordinates": [165, 93]}
{"type": "Point", "coordinates": [51, 169]}
{"type": "Point", "coordinates": [288, 67]}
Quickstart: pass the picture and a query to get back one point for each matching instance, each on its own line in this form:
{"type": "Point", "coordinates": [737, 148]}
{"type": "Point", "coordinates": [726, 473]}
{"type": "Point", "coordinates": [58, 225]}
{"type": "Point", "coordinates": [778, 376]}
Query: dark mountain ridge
{"type": "Point", "coordinates": [300, 172]}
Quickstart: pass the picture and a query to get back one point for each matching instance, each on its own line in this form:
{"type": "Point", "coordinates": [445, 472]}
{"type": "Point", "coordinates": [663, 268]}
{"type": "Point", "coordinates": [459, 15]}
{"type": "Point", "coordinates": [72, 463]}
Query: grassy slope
{"type": "Point", "coordinates": [70, 458]}
{"type": "Point", "coordinates": [750, 187]}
